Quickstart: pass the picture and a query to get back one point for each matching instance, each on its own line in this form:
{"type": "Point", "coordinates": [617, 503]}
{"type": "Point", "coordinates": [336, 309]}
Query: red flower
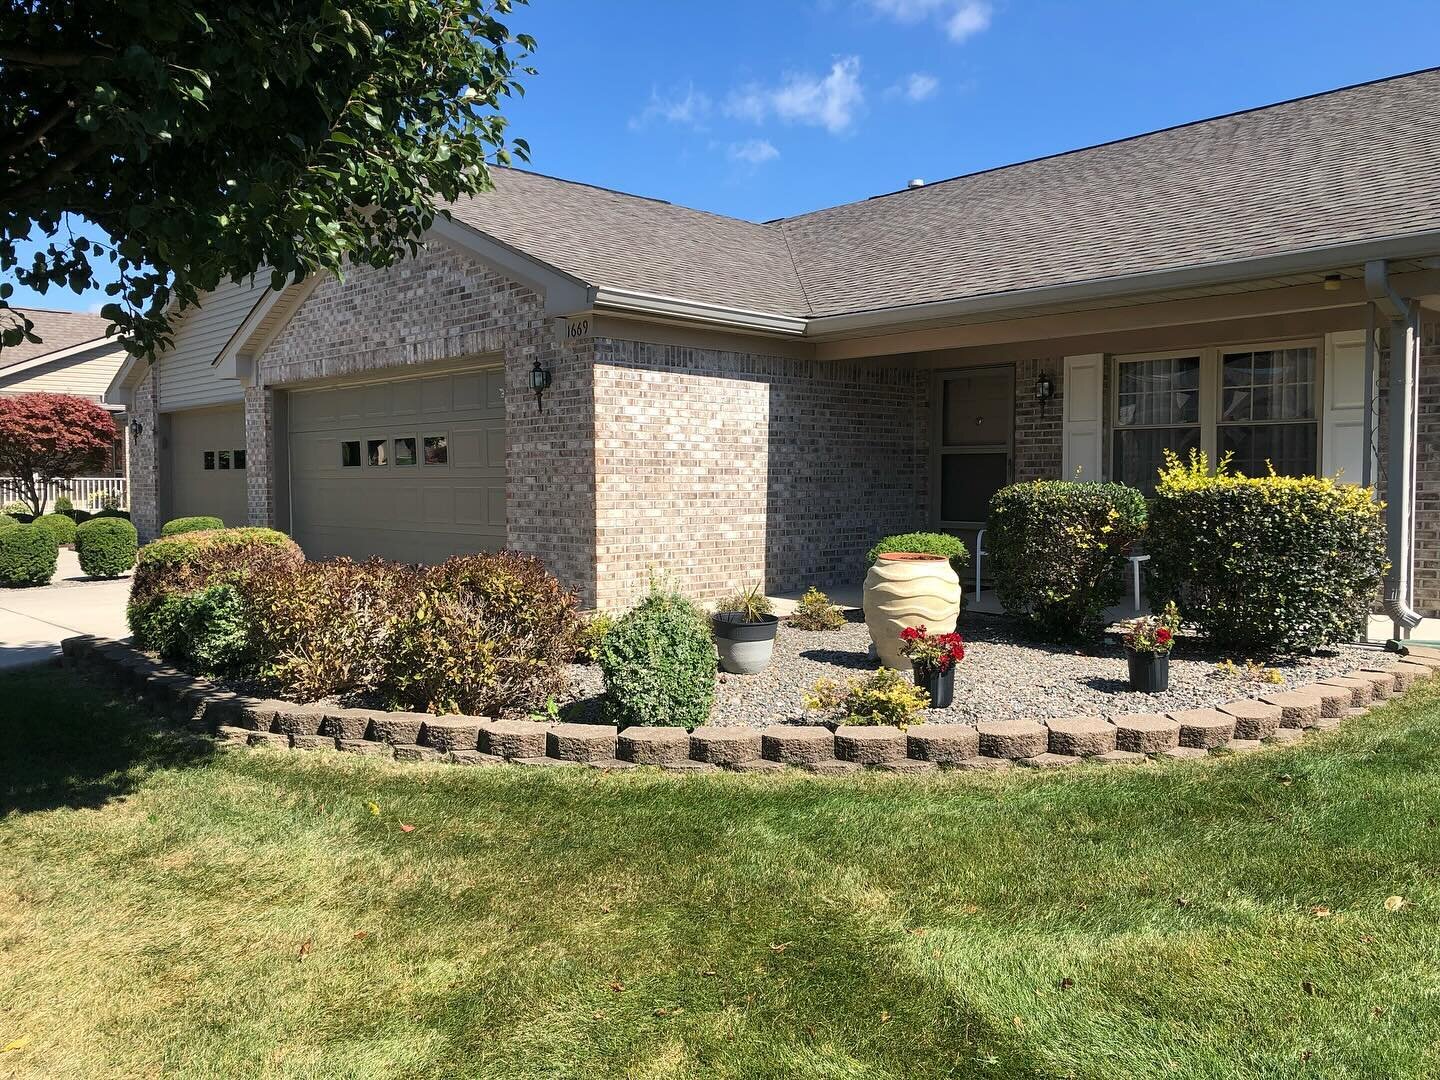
{"type": "Point", "coordinates": [912, 633]}
{"type": "Point", "coordinates": [1162, 636]}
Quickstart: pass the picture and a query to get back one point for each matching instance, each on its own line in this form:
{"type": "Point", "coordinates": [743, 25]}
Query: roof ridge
{"type": "Point", "coordinates": [632, 195]}
{"type": "Point", "coordinates": [1110, 142]}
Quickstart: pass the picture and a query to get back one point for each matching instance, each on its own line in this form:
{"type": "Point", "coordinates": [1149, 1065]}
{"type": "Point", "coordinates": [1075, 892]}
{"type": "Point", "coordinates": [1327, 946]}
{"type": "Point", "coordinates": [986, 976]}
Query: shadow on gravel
{"type": "Point", "coordinates": [67, 743]}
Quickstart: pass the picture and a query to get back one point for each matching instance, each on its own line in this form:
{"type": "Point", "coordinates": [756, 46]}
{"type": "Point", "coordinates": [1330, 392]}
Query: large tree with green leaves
{"type": "Point", "coordinates": [210, 138]}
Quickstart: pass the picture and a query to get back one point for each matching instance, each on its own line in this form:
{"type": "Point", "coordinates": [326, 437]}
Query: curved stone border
{"type": "Point", "coordinates": [1238, 726]}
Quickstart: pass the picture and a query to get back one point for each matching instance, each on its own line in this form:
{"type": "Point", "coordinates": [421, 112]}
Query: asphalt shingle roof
{"type": "Point", "coordinates": [1349, 165]}
{"type": "Point", "coordinates": [57, 329]}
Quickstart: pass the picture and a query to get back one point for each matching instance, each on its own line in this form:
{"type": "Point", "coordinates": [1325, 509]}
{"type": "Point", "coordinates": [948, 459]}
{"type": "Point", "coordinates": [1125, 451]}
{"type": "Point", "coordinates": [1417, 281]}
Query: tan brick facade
{"type": "Point", "coordinates": [440, 306]}
{"type": "Point", "coordinates": [144, 457]}
{"type": "Point", "coordinates": [718, 468]}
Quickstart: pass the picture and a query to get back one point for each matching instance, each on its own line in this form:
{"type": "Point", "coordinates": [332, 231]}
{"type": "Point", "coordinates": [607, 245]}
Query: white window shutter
{"type": "Point", "coordinates": [1342, 423]}
{"type": "Point", "coordinates": [1083, 440]}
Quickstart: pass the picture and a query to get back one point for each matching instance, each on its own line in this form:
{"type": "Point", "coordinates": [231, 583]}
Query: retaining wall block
{"type": "Point", "coordinates": [1362, 691]}
{"type": "Point", "coordinates": [349, 724]}
{"type": "Point", "coordinates": [1402, 678]}
{"type": "Point", "coordinates": [1204, 729]}
{"type": "Point", "coordinates": [413, 753]}
{"type": "Point", "coordinates": [365, 747]}
{"type": "Point", "coordinates": [271, 739]}
{"type": "Point", "coordinates": [312, 742]}
{"type": "Point", "coordinates": [452, 732]}
{"type": "Point", "coordinates": [397, 728]}
{"type": "Point", "coordinates": [797, 744]}
{"type": "Point", "coordinates": [655, 745]}
{"type": "Point", "coordinates": [1013, 739]}
{"type": "Point", "coordinates": [512, 739]}
{"type": "Point", "coordinates": [869, 745]}
{"type": "Point", "coordinates": [725, 746]}
{"type": "Point", "coordinates": [1382, 682]}
{"type": "Point", "coordinates": [298, 719]}
{"type": "Point", "coordinates": [1253, 719]}
{"type": "Point", "coordinates": [943, 744]}
{"type": "Point", "coordinates": [1299, 709]}
{"type": "Point", "coordinates": [1081, 736]}
{"type": "Point", "coordinates": [581, 742]}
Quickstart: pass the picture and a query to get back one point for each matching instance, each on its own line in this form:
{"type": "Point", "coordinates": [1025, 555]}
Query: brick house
{"type": "Point", "coordinates": [731, 401]}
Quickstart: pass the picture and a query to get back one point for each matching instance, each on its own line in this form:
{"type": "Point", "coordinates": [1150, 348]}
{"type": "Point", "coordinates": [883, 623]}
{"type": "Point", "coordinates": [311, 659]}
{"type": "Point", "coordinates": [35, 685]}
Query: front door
{"type": "Point", "coordinates": [974, 446]}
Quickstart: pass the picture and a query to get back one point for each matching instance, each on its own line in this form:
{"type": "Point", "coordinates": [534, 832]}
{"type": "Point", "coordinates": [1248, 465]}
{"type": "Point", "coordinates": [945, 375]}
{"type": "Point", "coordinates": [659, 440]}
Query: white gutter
{"type": "Point", "coordinates": [1311, 260]}
{"type": "Point", "coordinates": [652, 305]}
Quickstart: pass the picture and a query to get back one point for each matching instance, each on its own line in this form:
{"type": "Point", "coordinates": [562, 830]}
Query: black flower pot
{"type": "Point", "coordinates": [940, 685]}
{"type": "Point", "coordinates": [1149, 672]}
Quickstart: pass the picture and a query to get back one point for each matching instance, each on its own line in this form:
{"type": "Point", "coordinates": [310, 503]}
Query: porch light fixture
{"type": "Point", "coordinates": [1332, 283]}
{"type": "Point", "coordinates": [136, 428]}
{"type": "Point", "coordinates": [1044, 391]}
{"type": "Point", "coordinates": [539, 382]}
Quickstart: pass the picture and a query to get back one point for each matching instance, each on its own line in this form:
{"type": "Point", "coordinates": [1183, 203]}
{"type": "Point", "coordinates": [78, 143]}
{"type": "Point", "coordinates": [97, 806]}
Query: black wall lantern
{"type": "Point", "coordinates": [1044, 391]}
{"type": "Point", "coordinates": [539, 382]}
{"type": "Point", "coordinates": [136, 428]}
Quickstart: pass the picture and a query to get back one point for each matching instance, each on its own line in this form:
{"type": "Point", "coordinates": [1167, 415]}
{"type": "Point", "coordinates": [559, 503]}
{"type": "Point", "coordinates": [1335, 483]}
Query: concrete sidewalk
{"type": "Point", "coordinates": [33, 621]}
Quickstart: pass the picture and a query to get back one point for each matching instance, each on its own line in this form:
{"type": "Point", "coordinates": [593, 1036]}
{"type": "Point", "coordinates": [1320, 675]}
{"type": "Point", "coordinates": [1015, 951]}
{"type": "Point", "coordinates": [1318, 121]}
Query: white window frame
{"type": "Point", "coordinates": [1210, 391]}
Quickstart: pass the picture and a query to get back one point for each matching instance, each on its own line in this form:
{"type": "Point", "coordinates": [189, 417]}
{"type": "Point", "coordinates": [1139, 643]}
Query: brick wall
{"type": "Point", "coordinates": [443, 305]}
{"type": "Point", "coordinates": [1039, 450]}
{"type": "Point", "coordinates": [717, 468]}
{"type": "Point", "coordinates": [1427, 476]}
{"type": "Point", "coordinates": [144, 456]}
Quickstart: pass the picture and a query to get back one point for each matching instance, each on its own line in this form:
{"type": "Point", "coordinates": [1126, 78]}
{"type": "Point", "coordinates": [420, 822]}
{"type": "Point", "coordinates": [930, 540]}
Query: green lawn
{"type": "Point", "coordinates": [167, 910]}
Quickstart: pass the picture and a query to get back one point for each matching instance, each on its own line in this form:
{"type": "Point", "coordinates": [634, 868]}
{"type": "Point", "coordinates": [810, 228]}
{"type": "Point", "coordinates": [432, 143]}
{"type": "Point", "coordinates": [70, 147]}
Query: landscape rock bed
{"type": "Point", "coordinates": [1003, 677]}
{"type": "Point", "coordinates": [1239, 725]}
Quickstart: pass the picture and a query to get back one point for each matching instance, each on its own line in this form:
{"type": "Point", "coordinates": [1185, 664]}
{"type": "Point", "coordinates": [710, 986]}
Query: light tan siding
{"type": "Point", "coordinates": [187, 378]}
{"type": "Point", "coordinates": [86, 374]}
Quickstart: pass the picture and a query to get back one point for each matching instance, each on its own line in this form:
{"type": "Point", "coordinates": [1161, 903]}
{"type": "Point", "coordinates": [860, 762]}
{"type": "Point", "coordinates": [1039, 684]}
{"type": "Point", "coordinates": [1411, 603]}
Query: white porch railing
{"type": "Point", "coordinates": [84, 491]}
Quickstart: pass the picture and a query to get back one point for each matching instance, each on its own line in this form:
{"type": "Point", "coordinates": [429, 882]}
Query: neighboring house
{"type": "Point", "coordinates": [732, 401]}
{"type": "Point", "coordinates": [75, 357]}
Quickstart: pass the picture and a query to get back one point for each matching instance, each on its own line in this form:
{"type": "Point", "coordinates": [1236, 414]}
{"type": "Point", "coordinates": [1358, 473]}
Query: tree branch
{"type": "Point", "coordinates": [56, 58]}
{"type": "Point", "coordinates": [59, 166]}
{"type": "Point", "coordinates": [23, 140]}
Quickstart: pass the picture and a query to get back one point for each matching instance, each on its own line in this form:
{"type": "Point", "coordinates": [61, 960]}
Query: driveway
{"type": "Point", "coordinates": [33, 621]}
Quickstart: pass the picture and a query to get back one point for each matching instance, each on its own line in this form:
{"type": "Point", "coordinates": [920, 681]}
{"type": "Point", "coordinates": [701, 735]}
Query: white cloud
{"type": "Point", "coordinates": [968, 20]}
{"type": "Point", "coordinates": [829, 101]}
{"type": "Point", "coordinates": [962, 19]}
{"type": "Point", "coordinates": [689, 108]}
{"type": "Point", "coordinates": [753, 151]}
{"type": "Point", "coordinates": [919, 86]}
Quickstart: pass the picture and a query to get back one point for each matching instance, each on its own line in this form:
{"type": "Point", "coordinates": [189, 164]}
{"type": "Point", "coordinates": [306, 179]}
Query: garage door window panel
{"type": "Point", "coordinates": [437, 450]}
{"type": "Point", "coordinates": [377, 453]}
{"type": "Point", "coordinates": [208, 457]}
{"type": "Point", "coordinates": [350, 454]}
{"type": "Point", "coordinates": [405, 451]}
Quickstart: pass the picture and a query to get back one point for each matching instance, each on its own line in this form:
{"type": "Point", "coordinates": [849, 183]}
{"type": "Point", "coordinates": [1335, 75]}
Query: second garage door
{"type": "Point", "coordinates": [409, 469]}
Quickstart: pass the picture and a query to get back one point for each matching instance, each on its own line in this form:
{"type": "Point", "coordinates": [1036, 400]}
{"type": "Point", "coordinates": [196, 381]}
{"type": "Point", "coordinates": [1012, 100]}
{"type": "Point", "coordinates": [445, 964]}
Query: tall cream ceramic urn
{"type": "Point", "coordinates": [908, 589]}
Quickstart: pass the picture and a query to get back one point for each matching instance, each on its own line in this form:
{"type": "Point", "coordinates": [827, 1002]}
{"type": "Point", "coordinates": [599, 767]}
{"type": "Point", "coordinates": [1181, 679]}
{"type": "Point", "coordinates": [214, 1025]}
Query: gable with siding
{"type": "Point", "coordinates": [188, 378]}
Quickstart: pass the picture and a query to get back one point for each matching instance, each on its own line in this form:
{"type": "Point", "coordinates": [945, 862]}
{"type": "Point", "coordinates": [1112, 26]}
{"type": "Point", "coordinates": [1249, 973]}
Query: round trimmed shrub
{"type": "Point", "coordinates": [203, 523]}
{"type": "Point", "coordinates": [106, 546]}
{"type": "Point", "coordinates": [192, 561]}
{"type": "Point", "coordinates": [112, 513]}
{"type": "Point", "coordinates": [208, 630]}
{"type": "Point", "coordinates": [923, 543]}
{"type": "Point", "coordinates": [1265, 563]}
{"type": "Point", "coordinates": [6, 521]}
{"type": "Point", "coordinates": [659, 664]}
{"type": "Point", "coordinates": [27, 555]}
{"type": "Point", "coordinates": [1057, 549]}
{"type": "Point", "coordinates": [61, 527]}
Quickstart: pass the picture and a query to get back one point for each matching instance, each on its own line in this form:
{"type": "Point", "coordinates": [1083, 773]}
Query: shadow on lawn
{"type": "Point", "coordinates": [65, 743]}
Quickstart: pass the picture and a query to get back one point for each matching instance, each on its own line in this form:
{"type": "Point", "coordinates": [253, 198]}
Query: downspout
{"type": "Point", "coordinates": [1399, 467]}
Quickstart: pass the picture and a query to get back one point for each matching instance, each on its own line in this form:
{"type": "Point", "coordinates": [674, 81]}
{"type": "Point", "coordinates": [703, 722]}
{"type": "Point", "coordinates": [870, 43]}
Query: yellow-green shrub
{"type": "Point", "coordinates": [815, 612]}
{"type": "Point", "coordinates": [1269, 563]}
{"type": "Point", "coordinates": [885, 697]}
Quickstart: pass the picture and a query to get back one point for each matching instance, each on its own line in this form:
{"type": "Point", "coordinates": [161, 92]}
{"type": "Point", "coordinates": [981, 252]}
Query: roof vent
{"type": "Point", "coordinates": [917, 182]}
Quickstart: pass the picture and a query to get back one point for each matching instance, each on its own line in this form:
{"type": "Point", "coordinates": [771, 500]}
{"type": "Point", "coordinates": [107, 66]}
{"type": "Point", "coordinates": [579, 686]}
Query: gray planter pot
{"type": "Point", "coordinates": [744, 647]}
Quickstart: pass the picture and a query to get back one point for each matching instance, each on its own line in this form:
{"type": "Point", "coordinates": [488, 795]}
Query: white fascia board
{"type": "Point", "coordinates": [652, 305]}
{"type": "Point", "coordinates": [1311, 260]}
{"type": "Point", "coordinates": [121, 391]}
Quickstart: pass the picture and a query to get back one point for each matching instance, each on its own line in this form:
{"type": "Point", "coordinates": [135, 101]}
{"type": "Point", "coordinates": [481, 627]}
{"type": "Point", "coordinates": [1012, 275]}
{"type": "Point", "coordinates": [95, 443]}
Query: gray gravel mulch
{"type": "Point", "coordinates": [1003, 677]}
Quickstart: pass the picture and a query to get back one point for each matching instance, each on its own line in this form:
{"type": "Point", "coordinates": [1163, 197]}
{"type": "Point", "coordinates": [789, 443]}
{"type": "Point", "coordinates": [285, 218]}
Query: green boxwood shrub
{"type": "Point", "coordinates": [1269, 563]}
{"type": "Point", "coordinates": [6, 521]}
{"type": "Point", "coordinates": [1057, 550]}
{"type": "Point", "coordinates": [924, 543]}
{"type": "Point", "coordinates": [27, 555]}
{"type": "Point", "coordinates": [106, 546]}
{"type": "Point", "coordinates": [175, 526]}
{"type": "Point", "coordinates": [659, 664]}
{"type": "Point", "coordinates": [207, 629]}
{"type": "Point", "coordinates": [112, 512]}
{"type": "Point", "coordinates": [59, 526]}
{"type": "Point", "coordinates": [64, 504]}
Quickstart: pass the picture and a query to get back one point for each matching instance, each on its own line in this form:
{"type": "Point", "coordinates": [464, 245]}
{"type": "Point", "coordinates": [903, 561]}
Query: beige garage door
{"type": "Point", "coordinates": [409, 469]}
{"type": "Point", "coordinates": [207, 464]}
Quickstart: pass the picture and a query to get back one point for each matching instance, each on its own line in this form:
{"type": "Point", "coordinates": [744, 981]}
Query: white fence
{"type": "Point", "coordinates": [84, 491]}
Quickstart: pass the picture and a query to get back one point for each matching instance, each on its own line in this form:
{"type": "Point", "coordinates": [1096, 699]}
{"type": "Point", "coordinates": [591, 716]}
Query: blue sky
{"type": "Point", "coordinates": [760, 109]}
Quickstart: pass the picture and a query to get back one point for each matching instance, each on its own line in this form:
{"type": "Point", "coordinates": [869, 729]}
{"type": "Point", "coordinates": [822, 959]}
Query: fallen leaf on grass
{"type": "Point", "coordinates": [884, 1016]}
{"type": "Point", "coordinates": [361, 935]}
{"type": "Point", "coordinates": [617, 988]}
{"type": "Point", "coordinates": [1066, 983]}
{"type": "Point", "coordinates": [1310, 989]}
{"type": "Point", "coordinates": [1395, 903]}
{"type": "Point", "coordinates": [598, 1014]}
{"type": "Point", "coordinates": [15, 1044]}
{"type": "Point", "coordinates": [780, 948]}
{"type": "Point", "coordinates": [669, 1012]}
{"type": "Point", "coordinates": [407, 828]}
{"type": "Point", "coordinates": [1320, 912]}
{"type": "Point", "coordinates": [374, 809]}
{"type": "Point", "coordinates": [304, 949]}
